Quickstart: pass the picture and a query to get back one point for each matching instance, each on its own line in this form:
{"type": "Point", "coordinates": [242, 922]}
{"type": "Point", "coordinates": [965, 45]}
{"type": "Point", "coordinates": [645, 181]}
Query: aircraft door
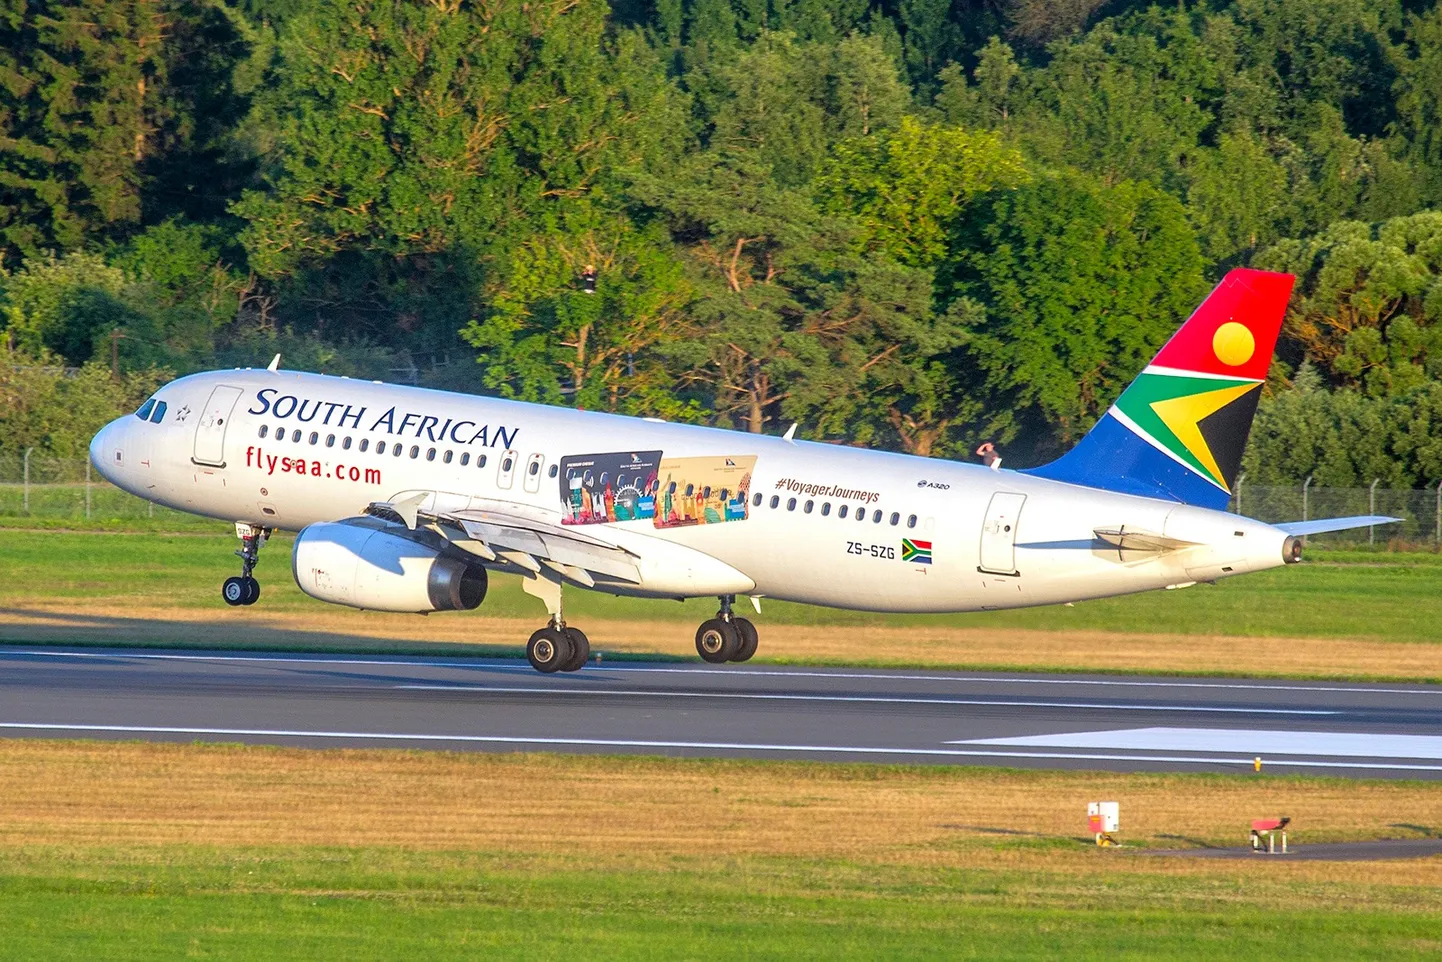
{"type": "Point", "coordinates": [532, 480]}
{"type": "Point", "coordinates": [998, 533]}
{"type": "Point", "coordinates": [507, 470]}
{"type": "Point", "coordinates": [210, 428]}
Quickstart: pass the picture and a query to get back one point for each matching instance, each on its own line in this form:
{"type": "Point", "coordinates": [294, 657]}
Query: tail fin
{"type": "Point", "coordinates": [1178, 431]}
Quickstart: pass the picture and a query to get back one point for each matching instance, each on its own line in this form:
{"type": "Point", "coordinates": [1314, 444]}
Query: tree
{"type": "Point", "coordinates": [1081, 282]}
{"type": "Point", "coordinates": [908, 186]}
{"type": "Point", "coordinates": [1368, 305]}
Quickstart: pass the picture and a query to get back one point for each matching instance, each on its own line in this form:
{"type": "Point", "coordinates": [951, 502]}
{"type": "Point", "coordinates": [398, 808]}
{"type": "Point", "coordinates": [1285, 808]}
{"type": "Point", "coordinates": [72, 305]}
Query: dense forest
{"type": "Point", "coordinates": [913, 224]}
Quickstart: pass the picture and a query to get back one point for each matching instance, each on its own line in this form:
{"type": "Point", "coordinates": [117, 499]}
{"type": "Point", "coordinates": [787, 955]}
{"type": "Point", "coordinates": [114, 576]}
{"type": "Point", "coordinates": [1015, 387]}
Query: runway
{"type": "Point", "coordinates": [1123, 723]}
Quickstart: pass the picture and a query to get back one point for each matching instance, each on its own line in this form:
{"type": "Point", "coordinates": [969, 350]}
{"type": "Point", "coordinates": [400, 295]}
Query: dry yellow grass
{"type": "Point", "coordinates": [109, 622]}
{"type": "Point", "coordinates": [651, 812]}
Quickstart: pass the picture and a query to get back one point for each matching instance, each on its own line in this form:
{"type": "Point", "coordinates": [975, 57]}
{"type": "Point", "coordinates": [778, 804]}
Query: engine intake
{"type": "Point", "coordinates": [371, 564]}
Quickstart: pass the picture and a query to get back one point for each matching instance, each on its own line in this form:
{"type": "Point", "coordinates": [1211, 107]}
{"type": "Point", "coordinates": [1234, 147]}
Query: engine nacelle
{"type": "Point", "coordinates": [372, 564]}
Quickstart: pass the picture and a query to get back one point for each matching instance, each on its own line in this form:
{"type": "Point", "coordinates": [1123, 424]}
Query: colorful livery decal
{"type": "Point", "coordinates": [708, 490]}
{"type": "Point", "coordinates": [916, 551]}
{"type": "Point", "coordinates": [601, 488]}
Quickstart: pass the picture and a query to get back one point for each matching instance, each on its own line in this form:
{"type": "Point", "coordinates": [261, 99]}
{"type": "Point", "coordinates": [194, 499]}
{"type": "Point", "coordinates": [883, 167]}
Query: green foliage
{"type": "Point", "coordinates": [57, 411]}
{"type": "Point", "coordinates": [1081, 282]}
{"type": "Point", "coordinates": [1368, 304]}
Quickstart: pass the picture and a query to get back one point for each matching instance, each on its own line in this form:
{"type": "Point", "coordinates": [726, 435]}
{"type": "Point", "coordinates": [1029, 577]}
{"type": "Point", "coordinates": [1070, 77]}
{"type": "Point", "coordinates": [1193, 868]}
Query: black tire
{"type": "Point", "coordinates": [252, 591]}
{"type": "Point", "coordinates": [748, 639]}
{"type": "Point", "coordinates": [548, 650]}
{"type": "Point", "coordinates": [580, 650]}
{"type": "Point", "coordinates": [234, 591]}
{"type": "Point", "coordinates": [717, 641]}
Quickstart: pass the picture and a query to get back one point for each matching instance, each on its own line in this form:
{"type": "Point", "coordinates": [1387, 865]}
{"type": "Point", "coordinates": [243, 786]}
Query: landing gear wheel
{"type": "Point", "coordinates": [252, 591]}
{"type": "Point", "coordinates": [717, 641]}
{"type": "Point", "coordinates": [549, 649]}
{"type": "Point", "coordinates": [580, 650]}
{"type": "Point", "coordinates": [748, 639]}
{"type": "Point", "coordinates": [235, 591]}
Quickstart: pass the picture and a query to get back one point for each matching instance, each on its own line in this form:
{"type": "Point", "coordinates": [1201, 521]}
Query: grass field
{"type": "Point", "coordinates": [138, 851]}
{"type": "Point", "coordinates": [1345, 615]}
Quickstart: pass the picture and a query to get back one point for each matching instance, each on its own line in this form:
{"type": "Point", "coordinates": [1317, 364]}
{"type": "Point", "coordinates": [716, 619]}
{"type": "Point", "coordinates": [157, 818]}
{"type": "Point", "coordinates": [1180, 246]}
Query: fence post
{"type": "Point", "coordinates": [1372, 509]}
{"type": "Point", "coordinates": [87, 489]}
{"type": "Point", "coordinates": [1305, 485]}
{"type": "Point", "coordinates": [25, 498]}
{"type": "Point", "coordinates": [1240, 478]}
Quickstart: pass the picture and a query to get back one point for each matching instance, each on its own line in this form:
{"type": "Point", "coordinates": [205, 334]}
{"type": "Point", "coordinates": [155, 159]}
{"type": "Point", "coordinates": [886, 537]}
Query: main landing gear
{"type": "Point", "coordinates": [556, 647]}
{"type": "Point", "coordinates": [245, 590]}
{"type": "Point", "coordinates": [726, 637]}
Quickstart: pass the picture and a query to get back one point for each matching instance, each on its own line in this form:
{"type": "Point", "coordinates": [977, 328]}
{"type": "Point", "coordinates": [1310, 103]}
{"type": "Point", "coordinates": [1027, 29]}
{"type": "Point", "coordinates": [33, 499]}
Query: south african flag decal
{"type": "Point", "coordinates": [917, 551]}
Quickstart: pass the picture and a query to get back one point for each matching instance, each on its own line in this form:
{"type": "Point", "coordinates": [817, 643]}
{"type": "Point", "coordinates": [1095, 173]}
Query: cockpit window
{"type": "Point", "coordinates": [145, 409]}
{"type": "Point", "coordinates": [159, 414]}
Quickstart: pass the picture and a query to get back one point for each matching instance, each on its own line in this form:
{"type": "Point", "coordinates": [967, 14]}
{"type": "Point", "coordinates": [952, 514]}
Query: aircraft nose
{"type": "Point", "coordinates": [107, 451]}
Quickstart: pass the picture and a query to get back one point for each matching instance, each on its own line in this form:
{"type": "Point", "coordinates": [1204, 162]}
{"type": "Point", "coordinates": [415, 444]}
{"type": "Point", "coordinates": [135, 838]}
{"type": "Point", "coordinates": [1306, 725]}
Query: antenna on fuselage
{"type": "Point", "coordinates": [790, 436]}
{"type": "Point", "coordinates": [274, 364]}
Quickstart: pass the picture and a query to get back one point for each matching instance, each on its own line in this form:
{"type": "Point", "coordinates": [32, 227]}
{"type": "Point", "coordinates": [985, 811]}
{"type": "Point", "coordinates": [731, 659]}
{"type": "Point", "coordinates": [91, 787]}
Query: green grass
{"type": "Point", "coordinates": [1338, 595]}
{"type": "Point", "coordinates": [312, 903]}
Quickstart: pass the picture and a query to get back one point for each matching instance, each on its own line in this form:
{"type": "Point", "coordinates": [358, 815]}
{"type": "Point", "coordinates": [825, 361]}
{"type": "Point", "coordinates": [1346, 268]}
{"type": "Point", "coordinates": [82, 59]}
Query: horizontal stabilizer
{"type": "Point", "coordinates": [1138, 540]}
{"type": "Point", "coordinates": [1334, 524]}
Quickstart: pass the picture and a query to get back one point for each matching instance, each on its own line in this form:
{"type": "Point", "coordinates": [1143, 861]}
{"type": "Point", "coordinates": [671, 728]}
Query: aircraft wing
{"type": "Point", "coordinates": [515, 534]}
{"type": "Point", "coordinates": [1334, 524]}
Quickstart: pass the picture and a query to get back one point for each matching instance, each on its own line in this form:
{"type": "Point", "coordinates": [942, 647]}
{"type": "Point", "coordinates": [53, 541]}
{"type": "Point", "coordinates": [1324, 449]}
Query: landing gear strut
{"type": "Point", "coordinates": [556, 647]}
{"type": "Point", "coordinates": [245, 590]}
{"type": "Point", "coordinates": [726, 637]}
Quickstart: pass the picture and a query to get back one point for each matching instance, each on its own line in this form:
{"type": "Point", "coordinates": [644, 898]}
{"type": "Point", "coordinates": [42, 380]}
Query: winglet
{"type": "Point", "coordinates": [274, 364]}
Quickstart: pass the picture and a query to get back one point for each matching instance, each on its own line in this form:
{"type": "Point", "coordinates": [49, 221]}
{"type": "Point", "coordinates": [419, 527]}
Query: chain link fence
{"type": "Point", "coordinates": [71, 489]}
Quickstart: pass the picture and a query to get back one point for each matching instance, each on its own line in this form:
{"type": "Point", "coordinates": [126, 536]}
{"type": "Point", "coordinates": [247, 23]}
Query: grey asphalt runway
{"type": "Point", "coordinates": [1125, 723]}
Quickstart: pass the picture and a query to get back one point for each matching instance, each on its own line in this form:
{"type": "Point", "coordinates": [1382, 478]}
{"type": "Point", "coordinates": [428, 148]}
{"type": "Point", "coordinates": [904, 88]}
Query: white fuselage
{"type": "Point", "coordinates": [284, 450]}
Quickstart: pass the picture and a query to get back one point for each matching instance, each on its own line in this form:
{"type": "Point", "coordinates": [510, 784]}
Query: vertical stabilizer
{"type": "Point", "coordinates": [1178, 431]}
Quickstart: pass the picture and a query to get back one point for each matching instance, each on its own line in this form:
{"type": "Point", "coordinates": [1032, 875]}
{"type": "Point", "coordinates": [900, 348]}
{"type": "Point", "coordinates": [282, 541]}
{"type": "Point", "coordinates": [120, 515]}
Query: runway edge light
{"type": "Point", "coordinates": [1103, 818]}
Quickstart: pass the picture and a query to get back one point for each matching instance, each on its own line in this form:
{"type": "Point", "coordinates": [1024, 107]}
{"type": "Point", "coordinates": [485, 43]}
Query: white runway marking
{"type": "Point", "coordinates": [1255, 742]}
{"type": "Point", "coordinates": [702, 746]}
{"type": "Point", "coordinates": [484, 665]}
{"type": "Point", "coordinates": [874, 699]}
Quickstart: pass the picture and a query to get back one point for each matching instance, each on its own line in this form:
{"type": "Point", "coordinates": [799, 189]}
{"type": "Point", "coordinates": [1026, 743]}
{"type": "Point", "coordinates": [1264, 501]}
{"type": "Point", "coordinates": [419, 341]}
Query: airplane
{"type": "Point", "coordinates": [405, 499]}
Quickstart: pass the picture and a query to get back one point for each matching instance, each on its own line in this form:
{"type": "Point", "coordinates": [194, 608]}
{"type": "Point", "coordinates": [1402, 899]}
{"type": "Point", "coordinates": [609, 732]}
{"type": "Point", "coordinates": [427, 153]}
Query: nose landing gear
{"type": "Point", "coordinates": [726, 637]}
{"type": "Point", "coordinates": [245, 590]}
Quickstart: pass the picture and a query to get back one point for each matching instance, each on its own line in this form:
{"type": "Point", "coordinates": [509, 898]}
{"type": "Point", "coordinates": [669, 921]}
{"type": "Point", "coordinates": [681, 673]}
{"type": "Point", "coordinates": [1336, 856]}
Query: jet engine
{"type": "Point", "coordinates": [380, 566]}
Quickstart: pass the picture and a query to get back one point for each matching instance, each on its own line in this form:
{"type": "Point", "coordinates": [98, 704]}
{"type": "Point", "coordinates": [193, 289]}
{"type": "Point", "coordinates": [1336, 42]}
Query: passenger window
{"type": "Point", "coordinates": [264, 430]}
{"type": "Point", "coordinates": [295, 435]}
{"type": "Point", "coordinates": [691, 489]}
{"type": "Point", "coordinates": [397, 448]}
{"type": "Point", "coordinates": [145, 409]}
{"type": "Point", "coordinates": [507, 471]}
{"type": "Point", "coordinates": [415, 451]}
{"type": "Point", "coordinates": [314, 437]}
{"type": "Point", "coordinates": [911, 521]}
{"type": "Point", "coordinates": [447, 457]}
{"type": "Point", "coordinates": [465, 458]}
{"type": "Point", "coordinates": [895, 518]}
{"type": "Point", "coordinates": [330, 440]}
{"type": "Point", "coordinates": [430, 454]}
{"type": "Point", "coordinates": [775, 500]}
{"type": "Point", "coordinates": [159, 413]}
{"type": "Point", "coordinates": [809, 506]}
{"type": "Point", "coordinates": [280, 432]}
{"type": "Point", "coordinates": [533, 468]}
{"type": "Point", "coordinates": [861, 514]}
{"type": "Point", "coordinates": [756, 500]}
{"type": "Point", "coordinates": [345, 445]}
{"type": "Point", "coordinates": [791, 505]}
{"type": "Point", "coordinates": [841, 511]}
{"type": "Point", "coordinates": [481, 461]}
{"type": "Point", "coordinates": [365, 445]}
{"type": "Point", "coordinates": [506, 464]}
{"type": "Point", "coordinates": [555, 470]}
{"type": "Point", "coordinates": [876, 517]}
{"type": "Point", "coordinates": [825, 509]}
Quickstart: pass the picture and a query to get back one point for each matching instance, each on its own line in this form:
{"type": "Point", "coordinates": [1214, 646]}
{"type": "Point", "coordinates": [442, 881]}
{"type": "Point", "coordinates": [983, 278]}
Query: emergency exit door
{"type": "Point", "coordinates": [210, 428]}
{"type": "Point", "coordinates": [998, 533]}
